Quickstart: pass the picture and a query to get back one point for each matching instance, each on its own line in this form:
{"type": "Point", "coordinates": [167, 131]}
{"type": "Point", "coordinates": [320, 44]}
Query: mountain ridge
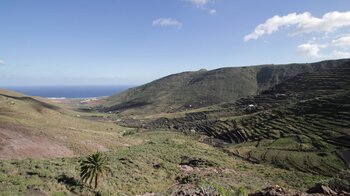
{"type": "Point", "coordinates": [195, 89]}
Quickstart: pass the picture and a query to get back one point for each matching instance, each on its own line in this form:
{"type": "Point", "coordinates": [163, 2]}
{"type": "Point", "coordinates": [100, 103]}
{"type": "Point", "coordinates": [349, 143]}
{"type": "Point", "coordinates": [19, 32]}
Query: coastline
{"type": "Point", "coordinates": [68, 92]}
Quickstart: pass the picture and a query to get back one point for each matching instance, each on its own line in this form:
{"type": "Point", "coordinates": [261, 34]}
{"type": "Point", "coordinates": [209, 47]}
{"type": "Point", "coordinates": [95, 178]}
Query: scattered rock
{"type": "Point", "coordinates": [319, 188]}
{"type": "Point", "coordinates": [186, 168]}
{"type": "Point", "coordinates": [150, 194]}
{"type": "Point", "coordinates": [271, 191]}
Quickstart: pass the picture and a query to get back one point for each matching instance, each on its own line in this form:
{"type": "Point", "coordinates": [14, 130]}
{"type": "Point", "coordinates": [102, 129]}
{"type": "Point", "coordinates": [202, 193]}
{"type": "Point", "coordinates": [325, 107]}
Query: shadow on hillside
{"type": "Point", "coordinates": [70, 182]}
{"type": "Point", "coordinates": [38, 104]}
{"type": "Point", "coordinates": [74, 185]}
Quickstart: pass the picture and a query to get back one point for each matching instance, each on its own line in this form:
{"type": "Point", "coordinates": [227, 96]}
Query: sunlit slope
{"type": "Point", "coordinates": [163, 163]}
{"type": "Point", "coordinates": [202, 88]}
{"type": "Point", "coordinates": [301, 123]}
{"type": "Point", "coordinates": [33, 128]}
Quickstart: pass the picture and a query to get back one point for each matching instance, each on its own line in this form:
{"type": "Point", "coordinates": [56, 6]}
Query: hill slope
{"type": "Point", "coordinates": [301, 123]}
{"type": "Point", "coordinates": [190, 90]}
{"type": "Point", "coordinates": [32, 127]}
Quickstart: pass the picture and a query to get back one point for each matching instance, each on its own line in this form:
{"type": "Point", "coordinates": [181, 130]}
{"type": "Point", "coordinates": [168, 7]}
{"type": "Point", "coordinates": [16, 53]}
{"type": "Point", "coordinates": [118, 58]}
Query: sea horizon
{"type": "Point", "coordinates": [69, 91]}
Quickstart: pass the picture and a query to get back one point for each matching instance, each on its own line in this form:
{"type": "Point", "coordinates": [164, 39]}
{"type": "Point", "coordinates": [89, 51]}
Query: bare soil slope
{"type": "Point", "coordinates": [32, 127]}
{"type": "Point", "coordinates": [15, 143]}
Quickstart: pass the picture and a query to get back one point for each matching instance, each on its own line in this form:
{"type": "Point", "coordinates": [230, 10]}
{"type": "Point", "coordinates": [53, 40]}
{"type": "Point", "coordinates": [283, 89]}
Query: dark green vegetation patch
{"type": "Point", "coordinates": [301, 123]}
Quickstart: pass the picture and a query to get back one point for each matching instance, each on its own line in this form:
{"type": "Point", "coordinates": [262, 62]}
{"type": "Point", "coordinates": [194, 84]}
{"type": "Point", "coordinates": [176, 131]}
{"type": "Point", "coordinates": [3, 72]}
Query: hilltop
{"type": "Point", "coordinates": [189, 90]}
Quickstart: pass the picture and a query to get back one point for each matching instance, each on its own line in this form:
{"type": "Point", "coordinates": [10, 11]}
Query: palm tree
{"type": "Point", "coordinates": [92, 167]}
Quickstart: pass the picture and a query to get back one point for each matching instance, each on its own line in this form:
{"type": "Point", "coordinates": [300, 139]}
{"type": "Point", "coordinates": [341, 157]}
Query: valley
{"type": "Point", "coordinates": [220, 130]}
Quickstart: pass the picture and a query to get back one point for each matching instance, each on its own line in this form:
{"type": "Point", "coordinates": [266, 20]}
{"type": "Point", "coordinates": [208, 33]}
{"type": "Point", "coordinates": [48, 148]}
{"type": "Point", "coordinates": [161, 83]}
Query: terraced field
{"type": "Point", "coordinates": [301, 123]}
{"type": "Point", "coordinates": [301, 126]}
{"type": "Point", "coordinates": [192, 90]}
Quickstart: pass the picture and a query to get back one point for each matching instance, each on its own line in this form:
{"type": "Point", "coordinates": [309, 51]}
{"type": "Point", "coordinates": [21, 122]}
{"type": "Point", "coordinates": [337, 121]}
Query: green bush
{"type": "Point", "coordinates": [341, 182]}
{"type": "Point", "coordinates": [221, 190]}
{"type": "Point", "coordinates": [242, 192]}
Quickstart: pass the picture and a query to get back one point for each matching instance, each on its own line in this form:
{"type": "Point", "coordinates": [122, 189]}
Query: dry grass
{"type": "Point", "coordinates": [37, 121]}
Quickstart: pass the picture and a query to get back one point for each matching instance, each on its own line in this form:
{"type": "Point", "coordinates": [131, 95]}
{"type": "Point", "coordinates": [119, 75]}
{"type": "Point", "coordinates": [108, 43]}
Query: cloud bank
{"type": "Point", "coordinates": [326, 45]}
{"type": "Point", "coordinates": [335, 49]}
{"type": "Point", "coordinates": [340, 54]}
{"type": "Point", "coordinates": [342, 41]}
{"type": "Point", "coordinates": [310, 49]}
{"type": "Point", "coordinates": [302, 23]}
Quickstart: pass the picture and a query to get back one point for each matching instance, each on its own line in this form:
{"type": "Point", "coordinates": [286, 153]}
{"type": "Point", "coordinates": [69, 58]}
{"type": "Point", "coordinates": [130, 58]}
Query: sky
{"type": "Point", "coordinates": [131, 42]}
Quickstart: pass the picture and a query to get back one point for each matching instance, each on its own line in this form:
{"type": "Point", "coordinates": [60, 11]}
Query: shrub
{"type": "Point", "coordinates": [341, 182]}
{"type": "Point", "coordinates": [242, 192]}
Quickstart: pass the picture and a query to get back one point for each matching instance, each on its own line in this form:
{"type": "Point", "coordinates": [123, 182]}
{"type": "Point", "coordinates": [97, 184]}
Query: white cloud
{"type": "Point", "coordinates": [343, 41]}
{"type": "Point", "coordinates": [200, 3]}
{"type": "Point", "coordinates": [304, 23]}
{"type": "Point", "coordinates": [310, 49]}
{"type": "Point", "coordinates": [166, 22]}
{"type": "Point", "coordinates": [321, 51]}
{"type": "Point", "coordinates": [340, 54]}
{"type": "Point", "coordinates": [212, 11]}
{"type": "Point", "coordinates": [2, 62]}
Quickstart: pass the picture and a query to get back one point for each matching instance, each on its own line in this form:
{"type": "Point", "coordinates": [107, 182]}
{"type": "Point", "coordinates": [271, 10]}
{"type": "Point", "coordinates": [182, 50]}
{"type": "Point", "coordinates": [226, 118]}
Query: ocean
{"type": "Point", "coordinates": [68, 91]}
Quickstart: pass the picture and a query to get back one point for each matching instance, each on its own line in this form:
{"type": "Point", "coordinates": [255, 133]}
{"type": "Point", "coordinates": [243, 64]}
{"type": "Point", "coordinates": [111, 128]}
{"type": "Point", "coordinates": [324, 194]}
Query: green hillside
{"type": "Point", "coordinates": [41, 145]}
{"type": "Point", "coordinates": [291, 129]}
{"type": "Point", "coordinates": [163, 163]}
{"type": "Point", "coordinates": [202, 88]}
{"type": "Point", "coordinates": [302, 123]}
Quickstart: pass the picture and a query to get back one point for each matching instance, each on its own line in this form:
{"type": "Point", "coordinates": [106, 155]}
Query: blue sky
{"type": "Point", "coordinates": [121, 42]}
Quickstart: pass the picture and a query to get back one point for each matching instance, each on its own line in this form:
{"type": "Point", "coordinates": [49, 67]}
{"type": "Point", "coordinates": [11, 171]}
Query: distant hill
{"type": "Point", "coordinates": [202, 88]}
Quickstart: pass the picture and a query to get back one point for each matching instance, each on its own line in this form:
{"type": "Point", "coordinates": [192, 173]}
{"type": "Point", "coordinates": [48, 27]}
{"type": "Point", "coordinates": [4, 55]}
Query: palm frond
{"type": "Point", "coordinates": [92, 167]}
